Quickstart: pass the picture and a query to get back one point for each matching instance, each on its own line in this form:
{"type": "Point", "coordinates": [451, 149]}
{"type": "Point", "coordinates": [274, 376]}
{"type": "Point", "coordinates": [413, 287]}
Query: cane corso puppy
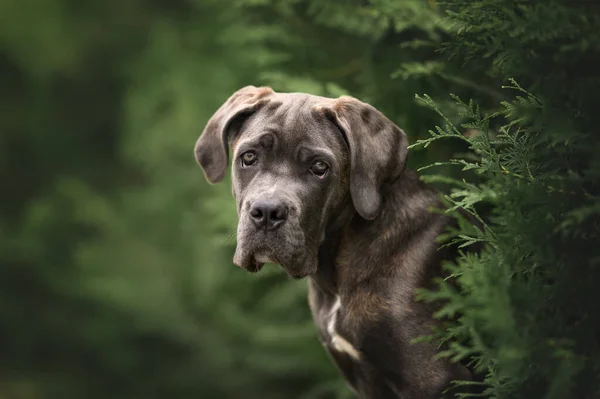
{"type": "Point", "coordinates": [322, 190]}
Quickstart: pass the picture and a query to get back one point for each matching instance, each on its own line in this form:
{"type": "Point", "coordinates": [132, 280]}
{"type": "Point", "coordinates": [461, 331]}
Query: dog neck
{"type": "Point", "coordinates": [326, 276]}
{"type": "Point", "coordinates": [363, 248]}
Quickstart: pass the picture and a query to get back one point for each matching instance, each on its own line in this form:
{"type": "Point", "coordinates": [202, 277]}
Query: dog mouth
{"type": "Point", "coordinates": [257, 261]}
{"type": "Point", "coordinates": [298, 276]}
{"type": "Point", "coordinates": [253, 262]}
{"type": "Point", "coordinates": [255, 267]}
{"type": "Point", "coordinates": [286, 248]}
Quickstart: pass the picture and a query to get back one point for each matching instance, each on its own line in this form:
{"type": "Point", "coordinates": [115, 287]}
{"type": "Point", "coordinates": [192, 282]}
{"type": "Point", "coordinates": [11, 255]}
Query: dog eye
{"type": "Point", "coordinates": [249, 158]}
{"type": "Point", "coordinates": [319, 169]}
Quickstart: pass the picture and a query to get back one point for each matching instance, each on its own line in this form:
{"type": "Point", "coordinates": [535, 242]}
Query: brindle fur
{"type": "Point", "coordinates": [364, 235]}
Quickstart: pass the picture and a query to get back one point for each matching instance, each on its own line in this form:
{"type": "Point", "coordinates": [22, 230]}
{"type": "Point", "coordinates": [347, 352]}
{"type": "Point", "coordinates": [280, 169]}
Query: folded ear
{"type": "Point", "coordinates": [378, 150]}
{"type": "Point", "coordinates": [212, 148]}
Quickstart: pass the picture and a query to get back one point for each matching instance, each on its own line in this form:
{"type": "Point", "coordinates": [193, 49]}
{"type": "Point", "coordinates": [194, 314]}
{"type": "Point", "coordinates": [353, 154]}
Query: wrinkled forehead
{"type": "Point", "coordinates": [289, 121]}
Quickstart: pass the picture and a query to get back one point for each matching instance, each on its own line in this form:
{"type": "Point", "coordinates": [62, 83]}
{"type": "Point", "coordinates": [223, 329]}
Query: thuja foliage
{"type": "Point", "coordinates": [526, 309]}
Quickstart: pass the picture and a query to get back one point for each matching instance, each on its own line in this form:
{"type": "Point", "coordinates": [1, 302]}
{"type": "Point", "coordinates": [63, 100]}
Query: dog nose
{"type": "Point", "coordinates": [269, 214]}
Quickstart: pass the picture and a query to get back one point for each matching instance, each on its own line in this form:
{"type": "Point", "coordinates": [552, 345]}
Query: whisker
{"type": "Point", "coordinates": [230, 238]}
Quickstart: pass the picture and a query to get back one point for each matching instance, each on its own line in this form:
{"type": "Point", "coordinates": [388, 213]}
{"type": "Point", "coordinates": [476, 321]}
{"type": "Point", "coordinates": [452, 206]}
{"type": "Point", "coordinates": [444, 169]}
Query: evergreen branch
{"type": "Point", "coordinates": [472, 85]}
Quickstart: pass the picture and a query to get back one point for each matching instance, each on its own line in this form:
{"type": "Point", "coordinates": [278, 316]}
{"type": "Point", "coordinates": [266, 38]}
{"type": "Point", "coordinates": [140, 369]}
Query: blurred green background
{"type": "Point", "coordinates": [116, 278]}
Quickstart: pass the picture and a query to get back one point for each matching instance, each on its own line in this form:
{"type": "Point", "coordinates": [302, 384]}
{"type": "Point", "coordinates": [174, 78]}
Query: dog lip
{"type": "Point", "coordinates": [255, 263]}
{"type": "Point", "coordinates": [298, 276]}
{"type": "Point", "coordinates": [262, 257]}
{"type": "Point", "coordinates": [247, 261]}
{"type": "Point", "coordinates": [255, 267]}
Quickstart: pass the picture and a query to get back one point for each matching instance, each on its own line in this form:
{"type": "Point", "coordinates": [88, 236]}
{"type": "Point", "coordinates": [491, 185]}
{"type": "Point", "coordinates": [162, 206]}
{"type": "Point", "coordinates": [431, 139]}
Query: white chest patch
{"type": "Point", "coordinates": [337, 341]}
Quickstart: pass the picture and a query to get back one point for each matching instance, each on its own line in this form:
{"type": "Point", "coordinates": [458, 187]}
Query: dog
{"type": "Point", "coordinates": [322, 189]}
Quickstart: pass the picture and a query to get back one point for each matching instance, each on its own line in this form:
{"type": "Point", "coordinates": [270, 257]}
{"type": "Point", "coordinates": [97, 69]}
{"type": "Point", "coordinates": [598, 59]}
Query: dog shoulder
{"type": "Point", "coordinates": [388, 344]}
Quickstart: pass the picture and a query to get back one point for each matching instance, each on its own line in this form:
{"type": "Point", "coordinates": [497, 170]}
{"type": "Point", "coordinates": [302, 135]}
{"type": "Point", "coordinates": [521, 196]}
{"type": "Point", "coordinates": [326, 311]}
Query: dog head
{"type": "Point", "coordinates": [298, 161]}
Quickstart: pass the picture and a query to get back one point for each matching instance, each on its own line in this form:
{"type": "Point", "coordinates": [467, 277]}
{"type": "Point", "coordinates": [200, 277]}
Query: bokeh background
{"type": "Point", "coordinates": [116, 278]}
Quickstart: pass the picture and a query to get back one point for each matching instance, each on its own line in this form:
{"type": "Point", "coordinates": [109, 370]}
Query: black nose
{"type": "Point", "coordinates": [269, 214]}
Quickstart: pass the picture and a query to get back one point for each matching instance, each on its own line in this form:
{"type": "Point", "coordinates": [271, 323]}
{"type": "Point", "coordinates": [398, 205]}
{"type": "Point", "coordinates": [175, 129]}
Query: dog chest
{"type": "Point", "coordinates": [327, 310]}
{"type": "Point", "coordinates": [334, 339]}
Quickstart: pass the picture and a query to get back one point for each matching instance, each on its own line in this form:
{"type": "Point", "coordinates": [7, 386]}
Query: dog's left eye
{"type": "Point", "coordinates": [319, 169]}
{"type": "Point", "coordinates": [248, 158]}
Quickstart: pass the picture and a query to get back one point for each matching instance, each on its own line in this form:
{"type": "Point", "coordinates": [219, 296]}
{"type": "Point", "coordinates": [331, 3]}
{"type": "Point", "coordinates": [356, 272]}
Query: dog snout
{"type": "Point", "coordinates": [268, 214]}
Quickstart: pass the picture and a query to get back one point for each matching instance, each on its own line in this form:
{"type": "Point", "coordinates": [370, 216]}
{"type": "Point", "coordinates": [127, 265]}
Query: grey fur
{"type": "Point", "coordinates": [364, 234]}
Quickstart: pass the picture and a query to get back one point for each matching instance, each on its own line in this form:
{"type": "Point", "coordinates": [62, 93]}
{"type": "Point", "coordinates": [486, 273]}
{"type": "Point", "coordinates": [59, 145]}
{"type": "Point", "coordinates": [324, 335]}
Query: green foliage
{"type": "Point", "coordinates": [525, 310]}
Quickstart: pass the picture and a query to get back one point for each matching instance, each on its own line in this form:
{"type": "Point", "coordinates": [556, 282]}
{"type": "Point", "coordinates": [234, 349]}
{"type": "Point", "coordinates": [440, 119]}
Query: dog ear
{"type": "Point", "coordinates": [378, 150]}
{"type": "Point", "coordinates": [212, 147]}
